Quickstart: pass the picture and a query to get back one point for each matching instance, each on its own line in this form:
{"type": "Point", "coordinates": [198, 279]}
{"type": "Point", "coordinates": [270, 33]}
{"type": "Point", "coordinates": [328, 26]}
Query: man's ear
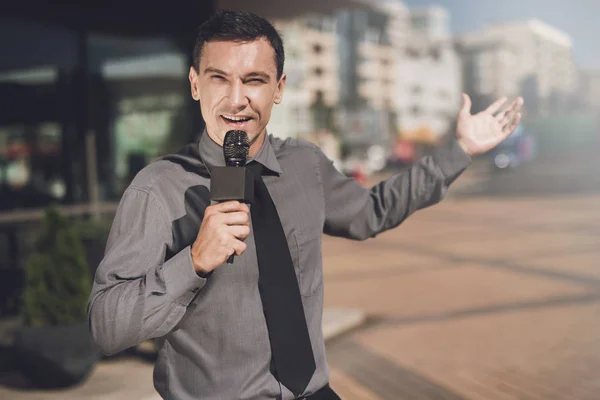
{"type": "Point", "coordinates": [280, 87]}
{"type": "Point", "coordinates": [193, 77]}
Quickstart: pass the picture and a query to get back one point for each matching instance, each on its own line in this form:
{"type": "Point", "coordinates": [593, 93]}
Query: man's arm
{"type": "Point", "coordinates": [355, 212]}
{"type": "Point", "coordinates": [136, 295]}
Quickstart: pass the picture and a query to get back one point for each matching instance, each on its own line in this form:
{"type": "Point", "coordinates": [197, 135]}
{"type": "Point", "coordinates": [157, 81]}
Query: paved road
{"type": "Point", "coordinates": [494, 297]}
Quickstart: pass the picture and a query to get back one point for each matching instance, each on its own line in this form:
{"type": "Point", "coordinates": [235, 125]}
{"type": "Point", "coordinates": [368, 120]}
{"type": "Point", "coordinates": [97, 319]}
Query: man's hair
{"type": "Point", "coordinates": [238, 26]}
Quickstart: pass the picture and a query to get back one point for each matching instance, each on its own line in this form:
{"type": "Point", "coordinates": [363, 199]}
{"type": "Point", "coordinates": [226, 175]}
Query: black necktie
{"type": "Point", "coordinates": [291, 350]}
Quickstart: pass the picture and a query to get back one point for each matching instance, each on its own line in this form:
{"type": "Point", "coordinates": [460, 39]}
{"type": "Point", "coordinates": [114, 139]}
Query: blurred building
{"type": "Point", "coordinates": [128, 98]}
{"type": "Point", "coordinates": [590, 90]}
{"type": "Point", "coordinates": [489, 71]}
{"type": "Point", "coordinates": [428, 77]}
{"type": "Point", "coordinates": [432, 22]}
{"type": "Point", "coordinates": [539, 55]}
{"type": "Point", "coordinates": [342, 70]}
{"type": "Point", "coordinates": [291, 118]}
{"type": "Point", "coordinates": [371, 43]}
{"type": "Point", "coordinates": [312, 66]}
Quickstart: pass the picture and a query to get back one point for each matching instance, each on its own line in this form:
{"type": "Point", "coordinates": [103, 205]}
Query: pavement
{"type": "Point", "coordinates": [481, 297]}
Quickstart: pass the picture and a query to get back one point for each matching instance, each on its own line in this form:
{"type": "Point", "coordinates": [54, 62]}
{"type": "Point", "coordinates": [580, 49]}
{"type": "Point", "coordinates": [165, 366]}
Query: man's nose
{"type": "Point", "coordinates": [238, 97]}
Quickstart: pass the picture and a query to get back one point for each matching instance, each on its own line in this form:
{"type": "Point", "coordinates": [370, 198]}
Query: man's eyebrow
{"type": "Point", "coordinates": [262, 75]}
{"type": "Point", "coordinates": [208, 70]}
{"type": "Point", "coordinates": [256, 74]}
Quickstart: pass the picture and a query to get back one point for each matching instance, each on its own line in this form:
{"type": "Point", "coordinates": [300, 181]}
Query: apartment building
{"type": "Point", "coordinates": [312, 69]}
{"type": "Point", "coordinates": [529, 57]}
{"type": "Point", "coordinates": [428, 77]}
{"type": "Point", "coordinates": [590, 89]}
{"type": "Point", "coordinates": [384, 32]}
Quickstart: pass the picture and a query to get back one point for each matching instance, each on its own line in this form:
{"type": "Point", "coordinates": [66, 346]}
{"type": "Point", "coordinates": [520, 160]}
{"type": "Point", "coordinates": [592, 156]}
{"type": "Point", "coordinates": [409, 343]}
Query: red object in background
{"type": "Point", "coordinates": [526, 148]}
{"type": "Point", "coordinates": [18, 150]}
{"type": "Point", "coordinates": [359, 175]}
{"type": "Point", "coordinates": [404, 151]}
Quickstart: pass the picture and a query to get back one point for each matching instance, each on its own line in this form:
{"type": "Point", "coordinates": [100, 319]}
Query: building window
{"type": "Point", "coordinates": [411, 52]}
{"type": "Point", "coordinates": [435, 53]}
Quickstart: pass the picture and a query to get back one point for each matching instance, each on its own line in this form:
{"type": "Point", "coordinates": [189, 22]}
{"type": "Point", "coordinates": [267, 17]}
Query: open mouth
{"type": "Point", "coordinates": [237, 121]}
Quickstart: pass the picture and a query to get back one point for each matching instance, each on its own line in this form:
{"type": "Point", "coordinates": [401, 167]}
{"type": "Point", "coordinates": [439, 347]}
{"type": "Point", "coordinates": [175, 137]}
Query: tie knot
{"type": "Point", "coordinates": [257, 168]}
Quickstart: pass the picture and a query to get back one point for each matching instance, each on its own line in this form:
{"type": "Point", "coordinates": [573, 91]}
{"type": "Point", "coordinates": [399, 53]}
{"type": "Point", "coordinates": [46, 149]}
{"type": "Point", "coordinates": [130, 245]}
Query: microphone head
{"type": "Point", "coordinates": [235, 148]}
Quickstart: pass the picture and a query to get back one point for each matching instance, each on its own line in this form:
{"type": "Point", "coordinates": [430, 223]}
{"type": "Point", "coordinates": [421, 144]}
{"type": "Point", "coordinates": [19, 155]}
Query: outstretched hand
{"type": "Point", "coordinates": [483, 131]}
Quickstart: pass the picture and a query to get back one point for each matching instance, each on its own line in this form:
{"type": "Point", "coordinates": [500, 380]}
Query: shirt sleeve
{"type": "Point", "coordinates": [136, 294]}
{"type": "Point", "coordinates": [355, 212]}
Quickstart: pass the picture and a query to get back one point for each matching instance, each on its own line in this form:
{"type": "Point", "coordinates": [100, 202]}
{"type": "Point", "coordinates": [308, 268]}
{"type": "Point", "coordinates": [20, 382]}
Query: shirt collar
{"type": "Point", "coordinates": [212, 154]}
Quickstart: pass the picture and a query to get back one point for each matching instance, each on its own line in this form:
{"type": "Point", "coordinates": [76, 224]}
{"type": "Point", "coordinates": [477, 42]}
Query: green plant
{"type": "Point", "coordinates": [57, 277]}
{"type": "Point", "coordinates": [93, 230]}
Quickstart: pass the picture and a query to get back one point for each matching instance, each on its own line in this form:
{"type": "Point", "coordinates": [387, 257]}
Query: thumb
{"type": "Point", "coordinates": [466, 107]}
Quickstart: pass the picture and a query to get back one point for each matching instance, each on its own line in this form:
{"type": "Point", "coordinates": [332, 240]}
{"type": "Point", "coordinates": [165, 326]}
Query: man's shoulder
{"type": "Point", "coordinates": [167, 172]}
{"type": "Point", "coordinates": [154, 174]}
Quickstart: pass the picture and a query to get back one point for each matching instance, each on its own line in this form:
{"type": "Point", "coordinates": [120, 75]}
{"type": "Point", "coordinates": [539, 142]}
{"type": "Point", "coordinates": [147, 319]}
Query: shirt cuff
{"type": "Point", "coordinates": [452, 160]}
{"type": "Point", "coordinates": [181, 280]}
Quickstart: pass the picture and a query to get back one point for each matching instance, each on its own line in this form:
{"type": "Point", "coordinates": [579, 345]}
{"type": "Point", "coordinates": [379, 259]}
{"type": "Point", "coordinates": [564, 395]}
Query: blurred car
{"type": "Point", "coordinates": [517, 149]}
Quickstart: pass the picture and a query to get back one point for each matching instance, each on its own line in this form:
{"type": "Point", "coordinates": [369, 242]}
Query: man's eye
{"type": "Point", "coordinates": [256, 80]}
{"type": "Point", "coordinates": [218, 77]}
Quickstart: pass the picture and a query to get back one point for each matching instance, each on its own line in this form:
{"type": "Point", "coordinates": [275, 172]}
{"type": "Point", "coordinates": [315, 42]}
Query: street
{"type": "Point", "coordinates": [478, 297]}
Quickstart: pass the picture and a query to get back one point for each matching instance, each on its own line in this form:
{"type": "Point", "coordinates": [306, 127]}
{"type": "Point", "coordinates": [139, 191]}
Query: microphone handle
{"type": "Point", "coordinates": [230, 259]}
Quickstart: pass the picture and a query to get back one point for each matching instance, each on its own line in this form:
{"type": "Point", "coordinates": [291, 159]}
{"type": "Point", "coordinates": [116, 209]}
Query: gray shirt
{"type": "Point", "coordinates": [211, 333]}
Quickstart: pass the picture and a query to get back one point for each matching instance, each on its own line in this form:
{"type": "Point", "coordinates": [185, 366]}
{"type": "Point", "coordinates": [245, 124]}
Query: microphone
{"type": "Point", "coordinates": [234, 181]}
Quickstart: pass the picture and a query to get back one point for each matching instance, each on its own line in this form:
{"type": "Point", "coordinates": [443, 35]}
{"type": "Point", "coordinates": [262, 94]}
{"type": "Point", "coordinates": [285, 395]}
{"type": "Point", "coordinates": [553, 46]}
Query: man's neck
{"type": "Point", "coordinates": [256, 144]}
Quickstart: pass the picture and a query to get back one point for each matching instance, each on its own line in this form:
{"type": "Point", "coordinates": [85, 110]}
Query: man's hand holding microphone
{"type": "Point", "coordinates": [224, 228]}
{"type": "Point", "coordinates": [226, 224]}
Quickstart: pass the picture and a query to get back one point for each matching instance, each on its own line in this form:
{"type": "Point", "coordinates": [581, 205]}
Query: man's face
{"type": "Point", "coordinates": [237, 86]}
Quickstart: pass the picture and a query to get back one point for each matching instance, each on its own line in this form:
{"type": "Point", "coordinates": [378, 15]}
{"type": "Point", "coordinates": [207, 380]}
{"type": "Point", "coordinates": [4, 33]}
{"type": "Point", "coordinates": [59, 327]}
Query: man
{"type": "Point", "coordinates": [247, 330]}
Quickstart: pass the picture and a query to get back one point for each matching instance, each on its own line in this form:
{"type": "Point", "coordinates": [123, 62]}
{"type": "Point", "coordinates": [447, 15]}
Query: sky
{"type": "Point", "coordinates": [580, 19]}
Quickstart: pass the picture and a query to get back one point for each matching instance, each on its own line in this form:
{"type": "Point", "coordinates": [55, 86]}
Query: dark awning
{"type": "Point", "coordinates": [125, 17]}
{"type": "Point", "coordinates": [284, 9]}
{"type": "Point", "coordinates": [156, 17]}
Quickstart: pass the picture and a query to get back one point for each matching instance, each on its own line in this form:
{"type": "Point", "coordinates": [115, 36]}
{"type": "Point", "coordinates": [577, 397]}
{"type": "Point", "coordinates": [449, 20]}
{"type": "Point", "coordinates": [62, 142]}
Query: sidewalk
{"type": "Point", "coordinates": [474, 299]}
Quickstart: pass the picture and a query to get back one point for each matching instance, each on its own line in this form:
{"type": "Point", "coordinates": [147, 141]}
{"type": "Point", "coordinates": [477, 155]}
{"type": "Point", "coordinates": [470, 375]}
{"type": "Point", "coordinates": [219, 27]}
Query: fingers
{"type": "Point", "coordinates": [238, 248]}
{"type": "Point", "coordinates": [466, 108]}
{"type": "Point", "coordinates": [228, 206]}
{"type": "Point", "coordinates": [240, 232]}
{"type": "Point", "coordinates": [234, 218]}
{"type": "Point", "coordinates": [231, 240]}
{"type": "Point", "coordinates": [509, 113]}
{"type": "Point", "coordinates": [223, 229]}
{"type": "Point", "coordinates": [495, 106]}
{"type": "Point", "coordinates": [230, 213]}
{"type": "Point", "coordinates": [510, 128]}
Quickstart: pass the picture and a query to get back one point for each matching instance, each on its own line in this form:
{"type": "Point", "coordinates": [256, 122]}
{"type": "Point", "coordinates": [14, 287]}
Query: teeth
{"type": "Point", "coordinates": [236, 119]}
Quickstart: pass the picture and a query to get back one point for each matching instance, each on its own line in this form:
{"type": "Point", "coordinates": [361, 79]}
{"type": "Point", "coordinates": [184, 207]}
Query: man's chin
{"type": "Point", "coordinates": [252, 135]}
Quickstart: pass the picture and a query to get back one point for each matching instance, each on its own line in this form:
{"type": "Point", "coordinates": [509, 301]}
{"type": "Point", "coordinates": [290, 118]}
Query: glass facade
{"type": "Point", "coordinates": [82, 110]}
{"type": "Point", "coordinates": [65, 96]}
{"type": "Point", "coordinates": [33, 122]}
